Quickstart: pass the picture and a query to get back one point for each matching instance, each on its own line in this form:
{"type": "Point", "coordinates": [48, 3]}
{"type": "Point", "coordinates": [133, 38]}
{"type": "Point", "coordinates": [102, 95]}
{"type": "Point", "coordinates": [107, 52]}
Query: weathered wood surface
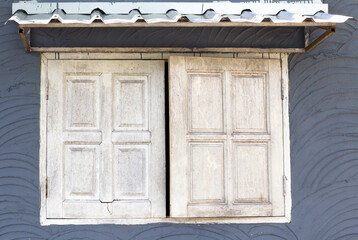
{"type": "Point", "coordinates": [105, 139]}
{"type": "Point", "coordinates": [124, 138]}
{"type": "Point", "coordinates": [226, 139]}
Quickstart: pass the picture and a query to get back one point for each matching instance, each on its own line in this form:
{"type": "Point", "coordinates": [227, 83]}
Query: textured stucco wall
{"type": "Point", "coordinates": [169, 37]}
{"type": "Point", "coordinates": [324, 148]}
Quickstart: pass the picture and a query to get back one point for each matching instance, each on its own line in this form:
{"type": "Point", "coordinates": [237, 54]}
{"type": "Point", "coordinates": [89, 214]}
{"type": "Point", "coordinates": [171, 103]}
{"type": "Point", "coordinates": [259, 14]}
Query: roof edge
{"type": "Point", "coordinates": [222, 7]}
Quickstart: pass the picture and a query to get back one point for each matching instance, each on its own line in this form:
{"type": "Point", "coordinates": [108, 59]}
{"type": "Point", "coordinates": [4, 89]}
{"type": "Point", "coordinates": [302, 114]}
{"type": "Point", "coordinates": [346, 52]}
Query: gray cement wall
{"type": "Point", "coordinates": [256, 37]}
{"type": "Point", "coordinates": [324, 148]}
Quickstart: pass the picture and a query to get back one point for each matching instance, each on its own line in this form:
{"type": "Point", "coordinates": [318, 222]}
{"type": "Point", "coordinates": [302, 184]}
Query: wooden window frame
{"type": "Point", "coordinates": [152, 56]}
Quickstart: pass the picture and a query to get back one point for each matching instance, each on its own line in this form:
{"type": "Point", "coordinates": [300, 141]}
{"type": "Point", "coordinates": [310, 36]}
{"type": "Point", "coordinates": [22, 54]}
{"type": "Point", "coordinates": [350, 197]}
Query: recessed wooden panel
{"type": "Point", "coordinates": [207, 171]}
{"type": "Point", "coordinates": [206, 94]}
{"type": "Point", "coordinates": [130, 171]}
{"type": "Point", "coordinates": [103, 118]}
{"type": "Point", "coordinates": [81, 171]}
{"type": "Point", "coordinates": [249, 108]}
{"type": "Point", "coordinates": [116, 210]}
{"type": "Point", "coordinates": [251, 172]}
{"type": "Point", "coordinates": [235, 103]}
{"type": "Point", "coordinates": [82, 101]}
{"type": "Point", "coordinates": [130, 102]}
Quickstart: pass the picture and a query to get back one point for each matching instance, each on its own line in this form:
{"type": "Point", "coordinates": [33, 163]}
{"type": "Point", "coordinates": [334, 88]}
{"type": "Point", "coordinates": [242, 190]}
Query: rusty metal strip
{"type": "Point", "coordinates": [167, 49]}
{"type": "Point", "coordinates": [24, 39]}
{"type": "Point", "coordinates": [329, 32]}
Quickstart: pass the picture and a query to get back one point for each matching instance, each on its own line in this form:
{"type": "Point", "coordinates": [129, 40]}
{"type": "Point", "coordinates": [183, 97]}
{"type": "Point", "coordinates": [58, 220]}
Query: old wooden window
{"type": "Point", "coordinates": [105, 135]}
{"type": "Point", "coordinates": [226, 149]}
{"type": "Point", "coordinates": [103, 140]}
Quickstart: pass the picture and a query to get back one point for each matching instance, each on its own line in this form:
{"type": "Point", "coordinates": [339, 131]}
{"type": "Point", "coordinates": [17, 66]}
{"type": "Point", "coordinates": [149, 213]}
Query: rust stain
{"type": "Point", "coordinates": [46, 187]}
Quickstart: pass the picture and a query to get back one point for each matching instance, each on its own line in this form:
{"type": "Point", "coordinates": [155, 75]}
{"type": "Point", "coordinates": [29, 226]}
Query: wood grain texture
{"type": "Point", "coordinates": [324, 146]}
{"type": "Point", "coordinates": [212, 102]}
{"type": "Point", "coordinates": [92, 171]}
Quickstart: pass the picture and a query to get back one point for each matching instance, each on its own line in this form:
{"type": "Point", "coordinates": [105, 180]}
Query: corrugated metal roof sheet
{"type": "Point", "coordinates": [33, 12]}
{"type": "Point", "coordinates": [161, 7]}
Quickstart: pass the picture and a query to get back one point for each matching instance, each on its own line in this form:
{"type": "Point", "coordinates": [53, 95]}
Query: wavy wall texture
{"type": "Point", "coordinates": [324, 148]}
{"type": "Point", "coordinates": [169, 37]}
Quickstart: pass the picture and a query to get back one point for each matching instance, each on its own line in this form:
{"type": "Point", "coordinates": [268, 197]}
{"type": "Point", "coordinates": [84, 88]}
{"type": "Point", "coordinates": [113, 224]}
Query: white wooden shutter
{"type": "Point", "coordinates": [226, 142]}
{"type": "Point", "coordinates": [105, 132]}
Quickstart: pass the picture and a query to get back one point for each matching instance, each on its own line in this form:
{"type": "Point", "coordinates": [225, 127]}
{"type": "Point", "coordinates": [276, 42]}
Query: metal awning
{"type": "Point", "coordinates": [32, 14]}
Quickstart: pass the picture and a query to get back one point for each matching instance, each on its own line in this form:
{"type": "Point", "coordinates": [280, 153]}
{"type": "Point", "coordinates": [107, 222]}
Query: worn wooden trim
{"type": "Point", "coordinates": [43, 140]}
{"type": "Point", "coordinates": [168, 49]}
{"type": "Point", "coordinates": [152, 56]}
{"type": "Point", "coordinates": [286, 135]}
{"type": "Point", "coordinates": [246, 220]}
{"type": "Point", "coordinates": [178, 24]}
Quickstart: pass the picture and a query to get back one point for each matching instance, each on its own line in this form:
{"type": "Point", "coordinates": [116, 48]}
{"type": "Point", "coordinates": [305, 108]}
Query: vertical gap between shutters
{"type": "Point", "coordinates": [167, 163]}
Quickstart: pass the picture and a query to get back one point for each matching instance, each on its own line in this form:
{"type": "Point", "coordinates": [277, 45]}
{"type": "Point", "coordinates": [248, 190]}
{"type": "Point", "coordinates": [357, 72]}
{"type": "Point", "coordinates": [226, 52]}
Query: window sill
{"type": "Point", "coordinates": [244, 220]}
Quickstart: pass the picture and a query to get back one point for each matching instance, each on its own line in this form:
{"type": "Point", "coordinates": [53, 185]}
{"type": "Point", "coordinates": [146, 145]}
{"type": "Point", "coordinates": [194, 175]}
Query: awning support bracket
{"type": "Point", "coordinates": [329, 32]}
{"type": "Point", "coordinates": [330, 29]}
{"type": "Point", "coordinates": [24, 39]}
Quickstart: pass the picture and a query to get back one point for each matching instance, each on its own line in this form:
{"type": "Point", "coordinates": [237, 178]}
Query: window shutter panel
{"type": "Point", "coordinates": [105, 151]}
{"type": "Point", "coordinates": [226, 141]}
